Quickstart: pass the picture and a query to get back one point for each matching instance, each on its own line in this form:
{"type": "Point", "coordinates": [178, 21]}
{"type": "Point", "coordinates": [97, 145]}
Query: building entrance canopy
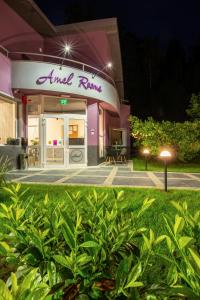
{"type": "Point", "coordinates": [52, 77]}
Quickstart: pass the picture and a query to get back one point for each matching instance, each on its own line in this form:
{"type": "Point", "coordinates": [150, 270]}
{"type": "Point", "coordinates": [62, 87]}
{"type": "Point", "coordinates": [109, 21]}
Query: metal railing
{"type": "Point", "coordinates": [4, 50]}
{"type": "Point", "coordinates": [60, 60]}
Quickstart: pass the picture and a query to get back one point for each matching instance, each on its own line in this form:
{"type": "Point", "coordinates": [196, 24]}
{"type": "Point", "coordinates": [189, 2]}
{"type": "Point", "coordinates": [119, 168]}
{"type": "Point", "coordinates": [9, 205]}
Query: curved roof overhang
{"type": "Point", "coordinates": [52, 78]}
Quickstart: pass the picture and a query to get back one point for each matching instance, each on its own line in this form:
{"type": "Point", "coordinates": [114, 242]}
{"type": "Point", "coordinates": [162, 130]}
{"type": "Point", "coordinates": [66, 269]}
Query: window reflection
{"type": "Point", "coordinates": [76, 132]}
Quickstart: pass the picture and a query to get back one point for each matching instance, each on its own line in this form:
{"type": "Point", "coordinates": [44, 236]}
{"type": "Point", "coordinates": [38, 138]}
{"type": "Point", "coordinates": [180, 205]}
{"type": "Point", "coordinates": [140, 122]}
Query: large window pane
{"type": "Point", "coordinates": [33, 142]}
{"type": "Point", "coordinates": [7, 119]}
{"type": "Point", "coordinates": [59, 105]}
{"type": "Point", "coordinates": [116, 137]}
{"type": "Point", "coordinates": [33, 130]}
{"type": "Point", "coordinates": [34, 105]}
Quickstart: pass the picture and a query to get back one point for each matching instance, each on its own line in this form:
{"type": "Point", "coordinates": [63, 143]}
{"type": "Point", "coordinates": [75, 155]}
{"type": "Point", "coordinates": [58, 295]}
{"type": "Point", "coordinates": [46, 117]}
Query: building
{"type": "Point", "coordinates": [56, 89]}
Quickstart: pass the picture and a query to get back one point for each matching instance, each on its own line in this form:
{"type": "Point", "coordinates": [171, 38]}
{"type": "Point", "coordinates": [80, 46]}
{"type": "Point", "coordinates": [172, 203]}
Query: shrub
{"type": "Point", "coordinates": [93, 248]}
{"type": "Point", "coordinates": [5, 166]}
{"type": "Point", "coordinates": [182, 138]}
{"type": "Point", "coordinates": [12, 141]}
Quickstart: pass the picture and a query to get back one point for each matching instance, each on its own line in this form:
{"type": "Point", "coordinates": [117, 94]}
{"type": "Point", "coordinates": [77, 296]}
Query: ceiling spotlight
{"type": "Point", "coordinates": [109, 65]}
{"type": "Point", "coordinates": [67, 48]}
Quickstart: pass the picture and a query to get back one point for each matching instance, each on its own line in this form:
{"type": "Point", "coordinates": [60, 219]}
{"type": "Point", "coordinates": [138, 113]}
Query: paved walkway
{"type": "Point", "coordinates": [103, 175]}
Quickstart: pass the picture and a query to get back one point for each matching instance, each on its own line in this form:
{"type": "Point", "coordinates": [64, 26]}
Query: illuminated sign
{"type": "Point", "coordinates": [68, 80]}
{"type": "Point", "coordinates": [63, 101]}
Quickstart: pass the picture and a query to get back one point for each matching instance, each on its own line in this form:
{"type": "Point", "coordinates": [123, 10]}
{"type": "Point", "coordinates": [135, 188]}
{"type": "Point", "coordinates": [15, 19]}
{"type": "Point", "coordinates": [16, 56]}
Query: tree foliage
{"type": "Point", "coordinates": [193, 110]}
{"type": "Point", "coordinates": [182, 138]}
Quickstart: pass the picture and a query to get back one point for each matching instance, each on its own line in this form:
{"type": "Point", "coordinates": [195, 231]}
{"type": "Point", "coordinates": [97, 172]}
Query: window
{"type": "Point", "coordinates": [34, 105]}
{"type": "Point", "coordinates": [8, 120]}
{"type": "Point", "coordinates": [76, 132]}
{"type": "Point", "coordinates": [119, 136]}
{"type": "Point", "coordinates": [39, 104]}
{"type": "Point", "coordinates": [73, 131]}
{"type": "Point", "coordinates": [54, 105]}
{"type": "Point", "coordinates": [33, 130]}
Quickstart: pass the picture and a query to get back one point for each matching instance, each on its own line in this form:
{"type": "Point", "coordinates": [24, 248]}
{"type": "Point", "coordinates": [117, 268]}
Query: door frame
{"type": "Point", "coordinates": [66, 146]}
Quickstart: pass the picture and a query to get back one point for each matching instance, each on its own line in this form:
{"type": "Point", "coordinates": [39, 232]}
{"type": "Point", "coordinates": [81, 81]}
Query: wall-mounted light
{"type": "Point", "coordinates": [67, 51]}
{"type": "Point", "coordinates": [67, 48]}
{"type": "Point", "coordinates": [108, 66]}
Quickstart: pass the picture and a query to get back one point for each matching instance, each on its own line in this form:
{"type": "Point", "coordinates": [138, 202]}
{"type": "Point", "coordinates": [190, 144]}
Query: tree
{"type": "Point", "coordinates": [193, 110]}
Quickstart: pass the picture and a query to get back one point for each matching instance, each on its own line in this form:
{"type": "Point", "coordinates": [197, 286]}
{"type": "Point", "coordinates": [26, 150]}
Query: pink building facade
{"type": "Point", "coordinates": [68, 106]}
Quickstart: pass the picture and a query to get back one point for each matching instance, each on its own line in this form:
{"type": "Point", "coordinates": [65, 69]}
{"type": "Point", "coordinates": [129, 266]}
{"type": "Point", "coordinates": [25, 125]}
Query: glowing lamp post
{"type": "Point", "coordinates": [146, 153]}
{"type": "Point", "coordinates": [165, 155]}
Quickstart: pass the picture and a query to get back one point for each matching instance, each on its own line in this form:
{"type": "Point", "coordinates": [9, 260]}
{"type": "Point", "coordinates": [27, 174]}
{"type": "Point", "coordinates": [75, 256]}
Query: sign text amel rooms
{"type": "Point", "coordinates": [68, 80]}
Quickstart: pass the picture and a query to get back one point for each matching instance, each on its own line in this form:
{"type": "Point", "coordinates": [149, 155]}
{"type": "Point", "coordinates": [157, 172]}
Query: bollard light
{"type": "Point", "coordinates": [165, 155]}
{"type": "Point", "coordinates": [146, 153]}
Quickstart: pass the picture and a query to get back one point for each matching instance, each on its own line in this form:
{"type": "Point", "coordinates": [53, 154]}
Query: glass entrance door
{"type": "Point", "coordinates": [64, 141]}
{"type": "Point", "coordinates": [54, 143]}
{"type": "Point", "coordinates": [77, 141]}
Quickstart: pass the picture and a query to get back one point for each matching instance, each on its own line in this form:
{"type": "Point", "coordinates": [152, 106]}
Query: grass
{"type": "Point", "coordinates": [134, 198]}
{"type": "Point", "coordinates": [139, 165]}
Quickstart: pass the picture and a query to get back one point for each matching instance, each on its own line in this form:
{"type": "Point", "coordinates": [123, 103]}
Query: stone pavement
{"type": "Point", "coordinates": [103, 175]}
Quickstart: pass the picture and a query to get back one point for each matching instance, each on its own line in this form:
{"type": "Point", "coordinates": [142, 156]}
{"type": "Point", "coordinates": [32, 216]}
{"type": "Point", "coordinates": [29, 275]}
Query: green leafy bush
{"type": "Point", "coordinates": [182, 138]}
{"type": "Point", "coordinates": [12, 141]}
{"type": "Point", "coordinates": [31, 287]}
{"type": "Point", "coordinates": [91, 247]}
{"type": "Point", "coordinates": [5, 166]}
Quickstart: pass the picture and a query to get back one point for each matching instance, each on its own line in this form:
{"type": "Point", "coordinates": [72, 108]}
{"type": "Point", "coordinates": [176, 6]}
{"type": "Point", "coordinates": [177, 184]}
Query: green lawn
{"type": "Point", "coordinates": [139, 165]}
{"type": "Point", "coordinates": [133, 196]}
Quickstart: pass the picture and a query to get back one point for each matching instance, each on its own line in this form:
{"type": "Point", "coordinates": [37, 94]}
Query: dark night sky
{"type": "Point", "coordinates": [163, 19]}
{"type": "Point", "coordinates": [162, 34]}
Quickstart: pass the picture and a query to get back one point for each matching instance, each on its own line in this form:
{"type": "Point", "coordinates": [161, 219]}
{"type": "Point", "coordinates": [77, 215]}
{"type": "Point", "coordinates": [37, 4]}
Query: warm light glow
{"type": "Point", "coordinates": [67, 48]}
{"type": "Point", "coordinates": [109, 65]}
{"type": "Point", "coordinates": [165, 154]}
{"type": "Point", "coordinates": [146, 151]}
